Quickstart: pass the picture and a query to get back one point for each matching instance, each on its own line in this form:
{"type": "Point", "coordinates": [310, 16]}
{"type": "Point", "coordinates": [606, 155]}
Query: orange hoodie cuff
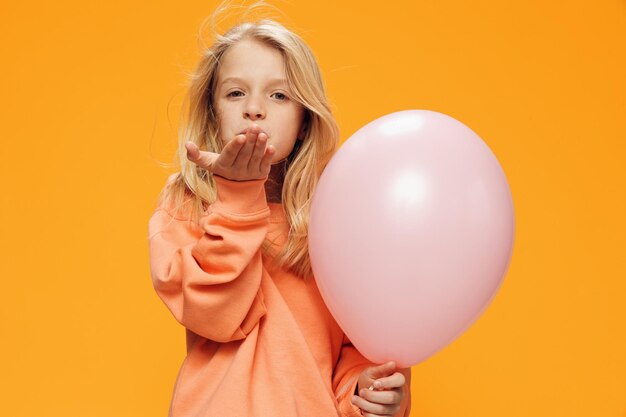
{"type": "Point", "coordinates": [239, 197]}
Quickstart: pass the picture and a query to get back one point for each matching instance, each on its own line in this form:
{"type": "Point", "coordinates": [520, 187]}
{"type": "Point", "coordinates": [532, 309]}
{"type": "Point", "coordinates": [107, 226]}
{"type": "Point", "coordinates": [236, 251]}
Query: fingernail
{"type": "Point", "coordinates": [378, 384]}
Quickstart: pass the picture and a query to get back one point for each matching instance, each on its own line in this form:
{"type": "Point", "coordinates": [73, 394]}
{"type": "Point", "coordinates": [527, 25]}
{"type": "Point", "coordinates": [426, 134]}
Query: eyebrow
{"type": "Point", "coordinates": [271, 81]}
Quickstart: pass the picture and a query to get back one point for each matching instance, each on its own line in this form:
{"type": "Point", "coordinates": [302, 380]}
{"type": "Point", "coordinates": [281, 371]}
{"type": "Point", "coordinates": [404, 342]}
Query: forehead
{"type": "Point", "coordinates": [251, 60]}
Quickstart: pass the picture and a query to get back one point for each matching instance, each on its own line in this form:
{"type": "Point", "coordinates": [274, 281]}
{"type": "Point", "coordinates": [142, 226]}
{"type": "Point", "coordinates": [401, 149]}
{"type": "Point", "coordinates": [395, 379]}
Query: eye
{"type": "Point", "coordinates": [233, 92]}
{"type": "Point", "coordinates": [281, 96]}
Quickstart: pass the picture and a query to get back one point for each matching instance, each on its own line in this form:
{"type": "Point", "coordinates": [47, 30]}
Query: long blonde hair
{"type": "Point", "coordinates": [193, 189]}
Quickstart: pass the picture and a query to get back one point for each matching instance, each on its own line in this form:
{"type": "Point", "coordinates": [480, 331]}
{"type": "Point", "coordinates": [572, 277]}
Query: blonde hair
{"type": "Point", "coordinates": [193, 189]}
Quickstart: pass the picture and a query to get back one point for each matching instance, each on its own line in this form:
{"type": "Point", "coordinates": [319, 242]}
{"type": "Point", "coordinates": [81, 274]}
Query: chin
{"type": "Point", "coordinates": [277, 158]}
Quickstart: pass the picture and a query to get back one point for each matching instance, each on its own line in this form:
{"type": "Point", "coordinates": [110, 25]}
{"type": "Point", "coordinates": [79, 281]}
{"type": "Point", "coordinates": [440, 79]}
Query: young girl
{"type": "Point", "coordinates": [228, 243]}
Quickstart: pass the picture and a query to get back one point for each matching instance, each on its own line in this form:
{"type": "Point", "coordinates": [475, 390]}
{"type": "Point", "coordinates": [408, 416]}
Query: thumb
{"type": "Point", "coordinates": [201, 158]}
{"type": "Point", "coordinates": [380, 371]}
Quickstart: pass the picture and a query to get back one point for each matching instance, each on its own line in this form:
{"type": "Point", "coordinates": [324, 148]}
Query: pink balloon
{"type": "Point", "coordinates": [410, 235]}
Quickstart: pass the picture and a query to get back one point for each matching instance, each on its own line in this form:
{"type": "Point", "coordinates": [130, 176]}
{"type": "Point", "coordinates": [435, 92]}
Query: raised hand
{"type": "Point", "coordinates": [246, 157]}
{"type": "Point", "coordinates": [380, 390]}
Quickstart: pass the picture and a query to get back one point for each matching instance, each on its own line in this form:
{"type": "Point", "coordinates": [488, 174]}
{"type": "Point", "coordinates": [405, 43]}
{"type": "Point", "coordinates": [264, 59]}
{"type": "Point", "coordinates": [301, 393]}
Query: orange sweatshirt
{"type": "Point", "coordinates": [260, 341]}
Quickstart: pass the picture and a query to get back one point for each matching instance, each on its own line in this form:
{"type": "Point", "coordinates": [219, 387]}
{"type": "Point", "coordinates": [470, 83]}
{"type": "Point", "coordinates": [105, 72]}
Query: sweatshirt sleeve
{"type": "Point", "coordinates": [209, 276]}
{"type": "Point", "coordinates": [346, 375]}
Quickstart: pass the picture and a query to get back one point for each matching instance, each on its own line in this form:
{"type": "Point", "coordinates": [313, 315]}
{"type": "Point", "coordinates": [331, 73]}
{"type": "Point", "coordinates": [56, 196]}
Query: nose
{"type": "Point", "coordinates": [253, 109]}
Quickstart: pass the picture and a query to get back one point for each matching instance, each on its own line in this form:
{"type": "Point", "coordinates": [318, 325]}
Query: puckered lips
{"type": "Point", "coordinates": [246, 129]}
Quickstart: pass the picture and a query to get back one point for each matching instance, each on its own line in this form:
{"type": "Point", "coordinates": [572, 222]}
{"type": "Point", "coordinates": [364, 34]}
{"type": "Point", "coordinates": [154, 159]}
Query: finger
{"type": "Point", "coordinates": [258, 153]}
{"type": "Point", "coordinates": [266, 162]}
{"type": "Point", "coordinates": [369, 407]}
{"type": "Point", "coordinates": [193, 152]}
{"type": "Point", "coordinates": [201, 158]}
{"type": "Point", "coordinates": [243, 158]}
{"type": "Point", "coordinates": [231, 150]}
{"type": "Point", "coordinates": [394, 381]}
{"type": "Point", "coordinates": [381, 397]}
{"type": "Point", "coordinates": [383, 370]}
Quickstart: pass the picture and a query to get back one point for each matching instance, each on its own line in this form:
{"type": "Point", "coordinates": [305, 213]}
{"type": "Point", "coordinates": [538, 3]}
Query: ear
{"type": "Point", "coordinates": [304, 126]}
{"type": "Point", "coordinates": [302, 132]}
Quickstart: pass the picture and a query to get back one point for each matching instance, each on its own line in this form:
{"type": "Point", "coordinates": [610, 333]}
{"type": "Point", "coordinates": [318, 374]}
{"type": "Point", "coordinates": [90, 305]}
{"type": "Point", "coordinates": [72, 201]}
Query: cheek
{"type": "Point", "coordinates": [224, 125]}
{"type": "Point", "coordinates": [301, 117]}
{"type": "Point", "coordinates": [221, 114]}
{"type": "Point", "coordinates": [294, 120]}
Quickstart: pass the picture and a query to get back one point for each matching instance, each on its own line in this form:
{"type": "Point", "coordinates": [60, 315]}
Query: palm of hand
{"type": "Point", "coordinates": [246, 157]}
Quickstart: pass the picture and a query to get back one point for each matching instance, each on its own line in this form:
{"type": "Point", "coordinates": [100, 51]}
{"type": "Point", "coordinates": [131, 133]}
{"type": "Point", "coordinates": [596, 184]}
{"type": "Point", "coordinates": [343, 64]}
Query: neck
{"type": "Point", "coordinates": [274, 183]}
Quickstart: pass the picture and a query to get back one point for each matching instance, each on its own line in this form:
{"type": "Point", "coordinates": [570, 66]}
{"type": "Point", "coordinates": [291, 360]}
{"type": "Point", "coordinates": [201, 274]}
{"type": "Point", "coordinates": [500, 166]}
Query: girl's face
{"type": "Point", "coordinates": [252, 88]}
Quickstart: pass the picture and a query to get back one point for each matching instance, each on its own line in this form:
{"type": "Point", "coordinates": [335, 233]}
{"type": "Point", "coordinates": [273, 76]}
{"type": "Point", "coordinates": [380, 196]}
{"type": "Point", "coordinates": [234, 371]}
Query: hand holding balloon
{"type": "Point", "coordinates": [385, 392]}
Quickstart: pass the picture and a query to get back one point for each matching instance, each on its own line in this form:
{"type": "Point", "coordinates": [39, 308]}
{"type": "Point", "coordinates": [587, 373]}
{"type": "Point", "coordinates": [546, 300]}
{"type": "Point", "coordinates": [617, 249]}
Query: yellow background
{"type": "Point", "coordinates": [91, 94]}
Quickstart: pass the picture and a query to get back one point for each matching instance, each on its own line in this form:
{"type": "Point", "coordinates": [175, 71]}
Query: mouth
{"type": "Point", "coordinates": [243, 132]}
